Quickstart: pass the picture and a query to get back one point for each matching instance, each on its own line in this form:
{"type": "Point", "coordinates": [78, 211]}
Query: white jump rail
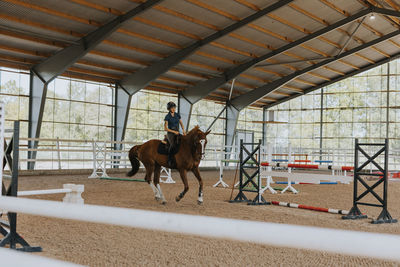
{"type": "Point", "coordinates": [380, 246]}
{"type": "Point", "coordinates": [73, 193]}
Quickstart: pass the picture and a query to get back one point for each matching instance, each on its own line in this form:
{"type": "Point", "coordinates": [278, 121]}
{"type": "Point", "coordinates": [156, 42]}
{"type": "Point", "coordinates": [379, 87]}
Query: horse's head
{"type": "Point", "coordinates": [199, 141]}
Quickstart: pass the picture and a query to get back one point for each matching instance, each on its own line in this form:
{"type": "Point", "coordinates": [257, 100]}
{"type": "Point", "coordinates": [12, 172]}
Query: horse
{"type": "Point", "coordinates": [191, 151]}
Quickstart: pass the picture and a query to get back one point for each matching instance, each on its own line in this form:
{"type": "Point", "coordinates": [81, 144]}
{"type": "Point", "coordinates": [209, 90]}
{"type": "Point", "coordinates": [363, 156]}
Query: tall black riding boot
{"type": "Point", "coordinates": [171, 161]}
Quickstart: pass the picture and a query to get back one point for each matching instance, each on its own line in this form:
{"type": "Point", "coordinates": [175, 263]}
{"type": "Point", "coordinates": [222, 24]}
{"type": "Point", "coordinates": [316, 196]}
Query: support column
{"type": "Point", "coordinates": [37, 98]}
{"type": "Point", "coordinates": [264, 129]}
{"type": "Point", "coordinates": [122, 103]}
{"type": "Point", "coordinates": [232, 116]}
{"type": "Point", "coordinates": [185, 110]}
{"type": "Point", "coordinates": [321, 122]}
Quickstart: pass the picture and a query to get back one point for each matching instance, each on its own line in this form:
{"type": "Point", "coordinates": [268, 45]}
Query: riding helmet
{"type": "Point", "coordinates": [170, 105]}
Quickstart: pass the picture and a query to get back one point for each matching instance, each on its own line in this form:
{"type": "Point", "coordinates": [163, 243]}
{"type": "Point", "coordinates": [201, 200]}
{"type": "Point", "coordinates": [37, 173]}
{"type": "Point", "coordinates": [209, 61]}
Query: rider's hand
{"type": "Point", "coordinates": [184, 133]}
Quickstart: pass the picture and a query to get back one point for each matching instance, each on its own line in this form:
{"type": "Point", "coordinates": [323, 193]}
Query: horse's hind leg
{"type": "Point", "coordinates": [157, 171]}
{"type": "Point", "coordinates": [183, 174]}
{"type": "Point", "coordinates": [149, 172]}
{"type": "Point", "coordinates": [196, 173]}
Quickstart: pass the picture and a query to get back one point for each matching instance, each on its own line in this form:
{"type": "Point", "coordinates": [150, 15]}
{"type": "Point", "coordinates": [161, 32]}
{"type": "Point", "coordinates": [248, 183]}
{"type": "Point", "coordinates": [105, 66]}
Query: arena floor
{"type": "Point", "coordinates": [104, 245]}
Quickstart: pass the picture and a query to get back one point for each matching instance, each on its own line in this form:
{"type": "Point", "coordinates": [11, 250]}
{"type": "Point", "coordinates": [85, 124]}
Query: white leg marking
{"type": "Point", "coordinates": [156, 192]}
{"type": "Point", "coordinates": [200, 199]}
{"type": "Point", "coordinates": [202, 142]}
{"type": "Point", "coordinates": [163, 201]}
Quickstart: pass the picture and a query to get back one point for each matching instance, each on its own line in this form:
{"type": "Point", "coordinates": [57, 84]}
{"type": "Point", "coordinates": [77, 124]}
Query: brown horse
{"type": "Point", "coordinates": [191, 151]}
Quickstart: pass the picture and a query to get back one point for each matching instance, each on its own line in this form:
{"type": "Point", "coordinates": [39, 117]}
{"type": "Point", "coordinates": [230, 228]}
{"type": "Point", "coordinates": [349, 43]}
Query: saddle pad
{"type": "Point", "coordinates": [163, 149]}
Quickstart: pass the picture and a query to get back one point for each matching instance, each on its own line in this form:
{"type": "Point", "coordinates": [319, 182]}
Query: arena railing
{"type": "Point", "coordinates": [58, 153]}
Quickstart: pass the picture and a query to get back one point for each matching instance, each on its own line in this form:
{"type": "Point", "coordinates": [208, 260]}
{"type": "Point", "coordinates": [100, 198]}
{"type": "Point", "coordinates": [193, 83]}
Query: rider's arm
{"type": "Point", "coordinates": [169, 130]}
{"type": "Point", "coordinates": [183, 128]}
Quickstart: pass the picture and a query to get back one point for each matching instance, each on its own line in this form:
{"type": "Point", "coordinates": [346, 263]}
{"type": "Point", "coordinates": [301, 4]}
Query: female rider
{"type": "Point", "coordinates": [171, 125]}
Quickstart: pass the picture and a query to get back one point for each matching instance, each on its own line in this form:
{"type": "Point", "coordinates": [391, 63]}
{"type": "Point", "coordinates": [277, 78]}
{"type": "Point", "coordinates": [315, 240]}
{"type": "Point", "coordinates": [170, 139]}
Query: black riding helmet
{"type": "Point", "coordinates": [171, 105]}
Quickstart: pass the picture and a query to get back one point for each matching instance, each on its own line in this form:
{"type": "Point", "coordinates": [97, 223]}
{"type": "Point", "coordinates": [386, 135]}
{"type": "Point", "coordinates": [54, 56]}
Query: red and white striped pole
{"type": "Point", "coordinates": [308, 166]}
{"type": "Point", "coordinates": [299, 206]}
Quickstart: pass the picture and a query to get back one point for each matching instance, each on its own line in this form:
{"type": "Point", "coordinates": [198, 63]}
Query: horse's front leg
{"type": "Point", "coordinates": [160, 195]}
{"type": "Point", "coordinates": [183, 174]}
{"type": "Point", "coordinates": [196, 173]}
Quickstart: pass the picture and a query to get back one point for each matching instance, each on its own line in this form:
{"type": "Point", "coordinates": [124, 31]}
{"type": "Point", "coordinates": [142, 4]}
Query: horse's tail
{"type": "Point", "coordinates": [133, 158]}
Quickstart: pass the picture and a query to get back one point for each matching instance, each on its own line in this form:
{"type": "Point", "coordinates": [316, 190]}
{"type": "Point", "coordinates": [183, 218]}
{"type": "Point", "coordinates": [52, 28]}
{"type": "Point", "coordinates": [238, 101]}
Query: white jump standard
{"type": "Point", "coordinates": [225, 157]}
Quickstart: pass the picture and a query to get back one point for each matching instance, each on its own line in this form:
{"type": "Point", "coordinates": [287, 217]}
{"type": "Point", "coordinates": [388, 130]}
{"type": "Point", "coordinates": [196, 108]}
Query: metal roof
{"type": "Point", "coordinates": [33, 30]}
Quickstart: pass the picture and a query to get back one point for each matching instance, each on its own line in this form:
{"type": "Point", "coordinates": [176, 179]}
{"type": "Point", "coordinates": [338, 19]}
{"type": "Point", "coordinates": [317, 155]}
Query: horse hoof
{"type": "Point", "coordinates": [164, 202]}
{"type": "Point", "coordinates": [199, 202]}
{"type": "Point", "coordinates": [177, 199]}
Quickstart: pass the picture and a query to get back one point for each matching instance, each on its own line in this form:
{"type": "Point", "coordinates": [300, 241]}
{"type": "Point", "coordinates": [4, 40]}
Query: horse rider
{"type": "Point", "coordinates": [171, 125]}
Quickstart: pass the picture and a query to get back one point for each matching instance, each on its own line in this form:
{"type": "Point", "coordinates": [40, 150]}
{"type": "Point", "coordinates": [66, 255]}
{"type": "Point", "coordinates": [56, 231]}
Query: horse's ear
{"type": "Point", "coordinates": [207, 132]}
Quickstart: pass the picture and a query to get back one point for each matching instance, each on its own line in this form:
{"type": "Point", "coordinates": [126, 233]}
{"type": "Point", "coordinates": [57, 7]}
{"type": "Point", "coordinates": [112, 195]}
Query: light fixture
{"type": "Point", "coordinates": [372, 17]}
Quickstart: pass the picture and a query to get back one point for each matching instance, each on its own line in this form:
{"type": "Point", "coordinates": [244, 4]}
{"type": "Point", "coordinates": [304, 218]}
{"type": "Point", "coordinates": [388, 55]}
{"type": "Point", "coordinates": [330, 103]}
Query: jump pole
{"type": "Point", "coordinates": [308, 166]}
{"type": "Point", "coordinates": [122, 179]}
{"type": "Point", "coordinates": [305, 207]}
{"type": "Point", "coordinates": [324, 183]}
{"type": "Point", "coordinates": [73, 193]}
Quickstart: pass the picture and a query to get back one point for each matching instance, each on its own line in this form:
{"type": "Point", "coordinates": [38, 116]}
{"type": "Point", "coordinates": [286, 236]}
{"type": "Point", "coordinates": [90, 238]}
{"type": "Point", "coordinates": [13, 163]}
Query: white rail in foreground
{"type": "Point", "coordinates": [382, 246]}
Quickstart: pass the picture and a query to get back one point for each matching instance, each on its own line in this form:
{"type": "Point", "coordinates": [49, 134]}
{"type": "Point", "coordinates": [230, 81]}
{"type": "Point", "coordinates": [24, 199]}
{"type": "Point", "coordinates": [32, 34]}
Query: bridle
{"type": "Point", "coordinates": [202, 142]}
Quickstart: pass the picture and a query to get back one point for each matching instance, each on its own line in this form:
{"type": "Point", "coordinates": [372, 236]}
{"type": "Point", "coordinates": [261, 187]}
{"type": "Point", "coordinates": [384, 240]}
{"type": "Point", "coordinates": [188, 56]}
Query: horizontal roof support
{"type": "Point", "coordinates": [143, 77]}
{"type": "Point", "coordinates": [384, 11]}
{"type": "Point", "coordinates": [202, 89]}
{"type": "Point", "coordinates": [62, 60]}
{"type": "Point", "coordinates": [244, 100]}
{"type": "Point", "coordinates": [335, 80]}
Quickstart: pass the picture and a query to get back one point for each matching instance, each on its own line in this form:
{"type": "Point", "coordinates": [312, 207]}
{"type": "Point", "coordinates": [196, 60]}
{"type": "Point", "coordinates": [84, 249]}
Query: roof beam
{"type": "Point", "coordinates": [62, 44]}
{"type": "Point", "coordinates": [62, 60]}
{"type": "Point", "coordinates": [201, 89]}
{"type": "Point", "coordinates": [43, 73]}
{"type": "Point", "coordinates": [141, 78]}
{"type": "Point", "coordinates": [242, 101]}
{"type": "Point", "coordinates": [335, 80]}
{"type": "Point", "coordinates": [388, 12]}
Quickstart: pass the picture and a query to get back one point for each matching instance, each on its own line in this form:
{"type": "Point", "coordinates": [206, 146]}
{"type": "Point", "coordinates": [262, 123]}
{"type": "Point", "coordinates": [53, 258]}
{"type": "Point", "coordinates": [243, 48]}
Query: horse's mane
{"type": "Point", "coordinates": [195, 130]}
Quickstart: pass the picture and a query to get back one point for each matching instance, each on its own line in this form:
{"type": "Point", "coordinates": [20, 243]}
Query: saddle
{"type": "Point", "coordinates": [163, 146]}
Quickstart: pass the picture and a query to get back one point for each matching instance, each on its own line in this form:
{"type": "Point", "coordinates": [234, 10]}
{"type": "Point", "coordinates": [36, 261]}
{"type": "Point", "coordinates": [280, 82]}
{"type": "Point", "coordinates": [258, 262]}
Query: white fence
{"type": "Point", "coordinates": [80, 154]}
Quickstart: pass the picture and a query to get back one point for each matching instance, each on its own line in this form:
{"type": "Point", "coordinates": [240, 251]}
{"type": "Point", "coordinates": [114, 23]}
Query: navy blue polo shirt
{"type": "Point", "coordinates": [173, 121]}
